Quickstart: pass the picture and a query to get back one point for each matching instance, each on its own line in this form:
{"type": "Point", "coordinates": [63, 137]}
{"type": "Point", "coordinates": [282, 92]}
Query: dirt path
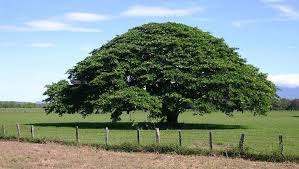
{"type": "Point", "coordinates": [15, 155]}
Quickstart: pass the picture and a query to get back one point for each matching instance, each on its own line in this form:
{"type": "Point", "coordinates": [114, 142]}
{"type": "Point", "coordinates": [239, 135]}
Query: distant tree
{"type": "Point", "coordinates": [294, 105]}
{"type": "Point", "coordinates": [281, 104]}
{"type": "Point", "coordinates": [163, 68]}
{"type": "Point", "coordinates": [13, 104]}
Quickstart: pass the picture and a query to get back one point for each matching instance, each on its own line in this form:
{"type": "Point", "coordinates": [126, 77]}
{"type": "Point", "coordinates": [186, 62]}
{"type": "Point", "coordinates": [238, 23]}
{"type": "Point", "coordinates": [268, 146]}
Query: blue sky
{"type": "Point", "coordinates": [40, 40]}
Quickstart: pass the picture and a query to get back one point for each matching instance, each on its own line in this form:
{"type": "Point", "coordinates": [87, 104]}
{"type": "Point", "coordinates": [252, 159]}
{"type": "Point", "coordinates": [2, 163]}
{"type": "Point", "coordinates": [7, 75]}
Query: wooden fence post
{"type": "Point", "coordinates": [280, 142]}
{"type": "Point", "coordinates": [18, 132]}
{"type": "Point", "coordinates": [157, 136]}
{"type": "Point", "coordinates": [241, 143]}
{"type": "Point", "coordinates": [138, 136]}
{"type": "Point", "coordinates": [32, 132]}
{"type": "Point", "coordinates": [180, 137]}
{"type": "Point", "coordinates": [210, 140]}
{"type": "Point", "coordinates": [3, 130]}
{"type": "Point", "coordinates": [77, 135]}
{"type": "Point", "coordinates": [106, 136]}
{"type": "Point", "coordinates": [130, 115]}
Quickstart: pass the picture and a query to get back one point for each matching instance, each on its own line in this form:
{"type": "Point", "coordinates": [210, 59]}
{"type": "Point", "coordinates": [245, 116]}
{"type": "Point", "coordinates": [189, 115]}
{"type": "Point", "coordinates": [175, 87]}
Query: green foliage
{"type": "Point", "coordinates": [281, 104]}
{"type": "Point", "coordinates": [286, 104]}
{"type": "Point", "coordinates": [294, 105]}
{"type": "Point", "coordinates": [164, 68]}
{"type": "Point", "coordinates": [128, 99]}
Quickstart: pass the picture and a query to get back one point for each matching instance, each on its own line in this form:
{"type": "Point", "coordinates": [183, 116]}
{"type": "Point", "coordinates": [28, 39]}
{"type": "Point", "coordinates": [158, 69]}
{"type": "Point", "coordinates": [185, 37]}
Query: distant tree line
{"type": "Point", "coordinates": [286, 104]}
{"type": "Point", "coordinates": [13, 104]}
{"type": "Point", "coordinates": [281, 104]}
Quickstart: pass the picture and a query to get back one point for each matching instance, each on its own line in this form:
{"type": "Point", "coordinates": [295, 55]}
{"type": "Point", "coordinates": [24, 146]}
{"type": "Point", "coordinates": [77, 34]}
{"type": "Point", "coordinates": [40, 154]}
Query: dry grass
{"type": "Point", "coordinates": [48, 156]}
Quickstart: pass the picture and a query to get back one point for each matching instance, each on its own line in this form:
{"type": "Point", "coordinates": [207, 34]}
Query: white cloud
{"type": "Point", "coordinates": [240, 23]}
{"type": "Point", "coordinates": [79, 29]}
{"type": "Point", "coordinates": [203, 19]}
{"type": "Point", "coordinates": [287, 11]}
{"type": "Point", "coordinates": [152, 11]}
{"type": "Point", "coordinates": [52, 25]}
{"type": "Point", "coordinates": [47, 25]}
{"type": "Point", "coordinates": [289, 80]}
{"type": "Point", "coordinates": [272, 1]}
{"type": "Point", "coordinates": [85, 17]}
{"type": "Point", "coordinates": [42, 45]}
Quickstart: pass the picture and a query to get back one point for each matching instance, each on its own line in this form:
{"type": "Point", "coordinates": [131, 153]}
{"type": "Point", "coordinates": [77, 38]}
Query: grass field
{"type": "Point", "coordinates": [261, 132]}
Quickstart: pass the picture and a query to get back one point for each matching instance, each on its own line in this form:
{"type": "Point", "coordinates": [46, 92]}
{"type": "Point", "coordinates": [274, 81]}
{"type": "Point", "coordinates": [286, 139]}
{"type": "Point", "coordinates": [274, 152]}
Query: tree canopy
{"type": "Point", "coordinates": [164, 68]}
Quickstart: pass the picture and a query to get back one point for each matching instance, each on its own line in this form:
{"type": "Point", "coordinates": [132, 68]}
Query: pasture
{"type": "Point", "coordinates": [261, 132]}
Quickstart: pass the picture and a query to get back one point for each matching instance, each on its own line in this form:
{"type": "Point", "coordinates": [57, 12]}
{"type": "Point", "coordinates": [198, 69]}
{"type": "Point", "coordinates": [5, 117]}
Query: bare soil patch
{"type": "Point", "coordinates": [16, 155]}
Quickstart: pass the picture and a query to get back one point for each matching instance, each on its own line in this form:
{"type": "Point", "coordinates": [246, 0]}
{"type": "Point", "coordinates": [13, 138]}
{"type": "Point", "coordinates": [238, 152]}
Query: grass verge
{"type": "Point", "coordinates": [167, 149]}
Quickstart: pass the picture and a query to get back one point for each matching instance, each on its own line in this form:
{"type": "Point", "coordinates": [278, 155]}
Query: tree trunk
{"type": "Point", "coordinates": [172, 118]}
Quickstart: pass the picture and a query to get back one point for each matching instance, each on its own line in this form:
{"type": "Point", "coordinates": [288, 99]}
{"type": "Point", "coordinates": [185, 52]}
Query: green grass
{"type": "Point", "coordinates": [261, 132]}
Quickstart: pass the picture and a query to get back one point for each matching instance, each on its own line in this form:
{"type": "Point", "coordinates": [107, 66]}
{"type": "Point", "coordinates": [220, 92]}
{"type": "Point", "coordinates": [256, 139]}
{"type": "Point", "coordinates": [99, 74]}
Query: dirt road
{"type": "Point", "coordinates": [15, 155]}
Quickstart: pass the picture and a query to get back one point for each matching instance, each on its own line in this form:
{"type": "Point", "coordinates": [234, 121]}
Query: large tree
{"type": "Point", "coordinates": [163, 68]}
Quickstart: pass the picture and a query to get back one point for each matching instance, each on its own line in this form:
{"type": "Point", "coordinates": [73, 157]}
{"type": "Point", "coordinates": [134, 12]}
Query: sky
{"type": "Point", "coordinates": [41, 40]}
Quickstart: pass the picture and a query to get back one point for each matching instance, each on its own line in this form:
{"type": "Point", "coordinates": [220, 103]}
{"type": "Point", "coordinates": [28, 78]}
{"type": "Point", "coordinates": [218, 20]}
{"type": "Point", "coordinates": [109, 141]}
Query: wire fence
{"type": "Point", "coordinates": [255, 141]}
